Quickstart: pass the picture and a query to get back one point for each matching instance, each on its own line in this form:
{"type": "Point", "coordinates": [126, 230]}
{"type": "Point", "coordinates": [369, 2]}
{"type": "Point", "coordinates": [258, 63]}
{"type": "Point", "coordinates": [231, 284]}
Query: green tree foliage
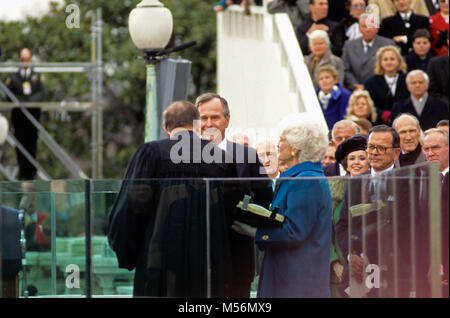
{"type": "Point", "coordinates": [124, 73]}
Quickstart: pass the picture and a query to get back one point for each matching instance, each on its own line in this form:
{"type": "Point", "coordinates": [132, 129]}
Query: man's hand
{"type": "Point", "coordinates": [356, 265]}
{"type": "Point", "coordinates": [244, 229]}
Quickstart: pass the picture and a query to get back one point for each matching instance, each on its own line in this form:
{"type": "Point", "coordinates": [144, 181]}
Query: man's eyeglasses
{"type": "Point", "coordinates": [381, 149]}
{"type": "Point", "coordinates": [432, 148]}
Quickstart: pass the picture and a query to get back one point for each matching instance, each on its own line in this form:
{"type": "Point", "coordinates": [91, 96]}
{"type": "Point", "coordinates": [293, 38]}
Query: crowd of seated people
{"type": "Point", "coordinates": [373, 45]}
{"type": "Point", "coordinates": [380, 70]}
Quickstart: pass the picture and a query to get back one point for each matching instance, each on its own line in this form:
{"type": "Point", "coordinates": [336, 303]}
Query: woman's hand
{"type": "Point", "coordinates": [244, 229]}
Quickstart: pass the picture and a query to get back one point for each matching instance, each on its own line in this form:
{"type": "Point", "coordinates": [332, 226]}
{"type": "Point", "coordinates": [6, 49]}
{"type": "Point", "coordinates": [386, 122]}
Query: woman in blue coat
{"type": "Point", "coordinates": [332, 96]}
{"type": "Point", "coordinates": [297, 254]}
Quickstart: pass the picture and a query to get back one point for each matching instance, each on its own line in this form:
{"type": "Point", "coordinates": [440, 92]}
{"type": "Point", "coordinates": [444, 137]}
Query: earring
{"type": "Point", "coordinates": [292, 153]}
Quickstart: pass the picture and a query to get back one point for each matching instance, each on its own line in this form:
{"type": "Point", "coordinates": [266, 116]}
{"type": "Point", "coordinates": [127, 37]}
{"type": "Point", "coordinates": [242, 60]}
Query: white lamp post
{"type": "Point", "coordinates": [150, 25]}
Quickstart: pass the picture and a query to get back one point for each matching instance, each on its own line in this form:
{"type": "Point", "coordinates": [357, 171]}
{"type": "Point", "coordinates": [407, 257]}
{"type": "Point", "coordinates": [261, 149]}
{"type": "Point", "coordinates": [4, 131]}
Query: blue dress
{"type": "Point", "coordinates": [297, 254]}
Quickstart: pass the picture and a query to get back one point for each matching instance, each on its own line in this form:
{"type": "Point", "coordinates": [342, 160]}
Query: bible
{"type": "Point", "coordinates": [256, 215]}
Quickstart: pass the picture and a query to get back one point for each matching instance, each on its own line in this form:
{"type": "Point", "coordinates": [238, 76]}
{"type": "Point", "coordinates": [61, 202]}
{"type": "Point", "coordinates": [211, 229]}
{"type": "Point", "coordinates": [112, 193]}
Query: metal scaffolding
{"type": "Point", "coordinates": [94, 107]}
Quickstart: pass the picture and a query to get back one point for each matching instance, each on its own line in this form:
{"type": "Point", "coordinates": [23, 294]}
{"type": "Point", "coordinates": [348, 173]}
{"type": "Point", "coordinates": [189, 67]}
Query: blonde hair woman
{"type": "Point", "coordinates": [388, 84]}
{"type": "Point", "coordinates": [360, 106]}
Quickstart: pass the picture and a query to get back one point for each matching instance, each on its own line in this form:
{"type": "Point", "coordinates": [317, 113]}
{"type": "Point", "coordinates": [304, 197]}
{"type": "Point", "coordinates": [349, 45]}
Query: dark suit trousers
{"type": "Point", "coordinates": [26, 134]}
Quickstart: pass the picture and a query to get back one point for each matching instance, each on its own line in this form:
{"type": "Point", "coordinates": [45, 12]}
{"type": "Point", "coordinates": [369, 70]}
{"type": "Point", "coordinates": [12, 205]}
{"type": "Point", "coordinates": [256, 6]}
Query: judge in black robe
{"type": "Point", "coordinates": [158, 224]}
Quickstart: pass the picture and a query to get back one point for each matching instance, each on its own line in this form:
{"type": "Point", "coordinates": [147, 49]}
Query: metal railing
{"type": "Point", "coordinates": [93, 107]}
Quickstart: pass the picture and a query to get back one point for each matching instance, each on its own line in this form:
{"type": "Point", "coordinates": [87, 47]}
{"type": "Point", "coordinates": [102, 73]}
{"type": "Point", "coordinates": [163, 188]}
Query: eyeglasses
{"type": "Point", "coordinates": [358, 6]}
{"type": "Point", "coordinates": [433, 148]}
{"type": "Point", "coordinates": [381, 149]}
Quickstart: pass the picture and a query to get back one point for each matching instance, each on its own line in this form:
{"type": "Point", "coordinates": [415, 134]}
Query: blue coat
{"type": "Point", "coordinates": [337, 107]}
{"type": "Point", "coordinates": [297, 254]}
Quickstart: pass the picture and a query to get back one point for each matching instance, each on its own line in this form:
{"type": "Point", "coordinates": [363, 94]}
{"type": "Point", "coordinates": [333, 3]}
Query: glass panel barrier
{"type": "Point", "coordinates": [384, 237]}
{"type": "Point", "coordinates": [49, 213]}
{"type": "Point", "coordinates": [393, 234]}
{"type": "Point", "coordinates": [107, 278]}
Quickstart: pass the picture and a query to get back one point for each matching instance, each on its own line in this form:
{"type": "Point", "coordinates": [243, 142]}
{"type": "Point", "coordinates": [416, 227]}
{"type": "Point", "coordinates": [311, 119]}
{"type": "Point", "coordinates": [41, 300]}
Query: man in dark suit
{"type": "Point", "coordinates": [427, 109]}
{"type": "Point", "coordinates": [318, 21]}
{"type": "Point", "coordinates": [341, 131]}
{"type": "Point", "coordinates": [401, 26]}
{"type": "Point", "coordinates": [215, 117]}
{"type": "Point", "coordinates": [380, 227]}
{"type": "Point", "coordinates": [439, 80]}
{"type": "Point", "coordinates": [27, 86]}
{"type": "Point", "coordinates": [436, 149]}
{"type": "Point", "coordinates": [359, 55]}
{"type": "Point", "coordinates": [158, 223]}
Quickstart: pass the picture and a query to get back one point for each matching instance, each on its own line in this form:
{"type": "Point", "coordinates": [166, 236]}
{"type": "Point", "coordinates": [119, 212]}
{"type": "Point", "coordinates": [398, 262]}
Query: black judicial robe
{"type": "Point", "coordinates": [158, 222]}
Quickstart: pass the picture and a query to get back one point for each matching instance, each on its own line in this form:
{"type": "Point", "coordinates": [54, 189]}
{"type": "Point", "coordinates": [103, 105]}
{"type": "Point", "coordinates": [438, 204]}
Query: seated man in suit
{"type": "Point", "coordinates": [319, 21]}
{"type": "Point", "coordinates": [401, 26]}
{"type": "Point", "coordinates": [341, 131]}
{"type": "Point", "coordinates": [428, 109]}
{"type": "Point", "coordinates": [359, 54]}
{"type": "Point", "coordinates": [438, 72]}
{"type": "Point", "coordinates": [215, 117]}
{"type": "Point", "coordinates": [408, 128]}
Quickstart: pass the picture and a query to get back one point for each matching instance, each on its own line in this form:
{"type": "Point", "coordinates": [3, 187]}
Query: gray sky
{"type": "Point", "coordinates": [12, 10]}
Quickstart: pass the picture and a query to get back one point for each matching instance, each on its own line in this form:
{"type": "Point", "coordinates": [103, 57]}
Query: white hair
{"type": "Point", "coordinates": [414, 119]}
{"type": "Point", "coordinates": [439, 131]}
{"type": "Point", "coordinates": [319, 34]}
{"type": "Point", "coordinates": [417, 72]}
{"type": "Point", "coordinates": [267, 142]}
{"type": "Point", "coordinates": [307, 134]}
{"type": "Point", "coordinates": [406, 115]}
{"type": "Point", "coordinates": [345, 123]}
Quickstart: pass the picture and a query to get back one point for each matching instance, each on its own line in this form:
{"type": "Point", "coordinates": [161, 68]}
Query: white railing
{"type": "Point", "coordinates": [261, 71]}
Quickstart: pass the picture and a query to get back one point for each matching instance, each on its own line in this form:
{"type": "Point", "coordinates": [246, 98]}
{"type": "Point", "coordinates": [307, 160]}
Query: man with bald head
{"type": "Point", "coordinates": [27, 86]}
{"type": "Point", "coordinates": [408, 128]}
{"type": "Point", "coordinates": [359, 55]}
